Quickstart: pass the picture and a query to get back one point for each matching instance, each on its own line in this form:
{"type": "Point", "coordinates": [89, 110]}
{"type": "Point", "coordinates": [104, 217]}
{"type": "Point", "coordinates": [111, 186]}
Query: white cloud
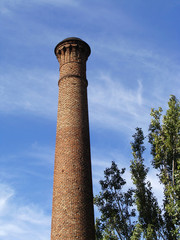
{"type": "Point", "coordinates": [32, 91]}
{"type": "Point", "coordinates": [71, 3]}
{"type": "Point", "coordinates": [7, 6]}
{"type": "Point", "coordinates": [19, 221]}
{"type": "Point", "coordinates": [33, 162]}
{"type": "Point", "coordinates": [36, 91]}
{"type": "Point", "coordinates": [114, 105]}
{"type": "Point", "coordinates": [5, 194]}
{"type": "Point", "coordinates": [147, 80]}
{"type": "Point", "coordinates": [43, 153]}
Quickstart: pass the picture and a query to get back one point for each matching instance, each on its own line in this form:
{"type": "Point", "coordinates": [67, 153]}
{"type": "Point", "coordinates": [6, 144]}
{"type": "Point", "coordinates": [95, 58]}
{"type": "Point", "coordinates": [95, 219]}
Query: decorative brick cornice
{"type": "Point", "coordinates": [72, 40]}
{"type": "Point", "coordinates": [72, 50]}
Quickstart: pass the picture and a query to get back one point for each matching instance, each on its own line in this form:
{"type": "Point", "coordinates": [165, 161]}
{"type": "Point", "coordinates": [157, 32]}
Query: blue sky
{"type": "Point", "coordinates": [134, 65]}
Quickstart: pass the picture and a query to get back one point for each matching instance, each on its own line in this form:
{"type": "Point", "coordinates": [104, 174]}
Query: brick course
{"type": "Point", "coordinates": [72, 213]}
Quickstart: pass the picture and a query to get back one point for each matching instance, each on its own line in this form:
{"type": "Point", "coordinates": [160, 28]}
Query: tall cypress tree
{"type": "Point", "coordinates": [165, 149]}
{"type": "Point", "coordinates": [149, 220]}
{"type": "Point", "coordinates": [116, 206]}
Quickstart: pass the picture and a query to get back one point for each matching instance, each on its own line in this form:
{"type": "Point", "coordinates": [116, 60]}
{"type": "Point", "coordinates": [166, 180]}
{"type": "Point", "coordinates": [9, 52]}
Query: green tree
{"type": "Point", "coordinates": [150, 222]}
{"type": "Point", "coordinates": [105, 230]}
{"type": "Point", "coordinates": [115, 206]}
{"type": "Point", "coordinates": [165, 149]}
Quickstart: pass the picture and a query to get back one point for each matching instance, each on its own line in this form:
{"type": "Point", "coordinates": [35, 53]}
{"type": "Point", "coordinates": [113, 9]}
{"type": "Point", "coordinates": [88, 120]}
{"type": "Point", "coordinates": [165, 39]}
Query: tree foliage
{"type": "Point", "coordinates": [117, 219]}
{"type": "Point", "coordinates": [165, 149]}
{"type": "Point", "coordinates": [115, 206]}
{"type": "Point", "coordinates": [149, 220]}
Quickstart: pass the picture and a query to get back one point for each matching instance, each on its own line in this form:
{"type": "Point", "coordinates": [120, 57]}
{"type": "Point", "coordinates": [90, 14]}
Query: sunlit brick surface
{"type": "Point", "coordinates": [72, 213]}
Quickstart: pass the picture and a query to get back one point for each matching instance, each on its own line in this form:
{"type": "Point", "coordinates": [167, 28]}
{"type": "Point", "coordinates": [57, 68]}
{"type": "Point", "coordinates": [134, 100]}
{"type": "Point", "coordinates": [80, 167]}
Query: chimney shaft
{"type": "Point", "coordinates": [72, 212]}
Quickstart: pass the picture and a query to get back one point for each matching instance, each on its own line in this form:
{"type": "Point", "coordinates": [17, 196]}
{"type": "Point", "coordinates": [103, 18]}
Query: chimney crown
{"type": "Point", "coordinates": [73, 40]}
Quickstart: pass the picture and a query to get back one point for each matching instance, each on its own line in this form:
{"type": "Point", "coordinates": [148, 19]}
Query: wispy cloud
{"type": "Point", "coordinates": [19, 221]}
{"type": "Point", "coordinates": [33, 161]}
{"type": "Point", "coordinates": [33, 91]}
{"type": "Point", "coordinates": [43, 153]}
{"type": "Point", "coordinates": [114, 105]}
{"type": "Point", "coordinates": [5, 194]}
{"type": "Point", "coordinates": [71, 3]}
{"type": "Point", "coordinates": [7, 6]}
{"type": "Point", "coordinates": [138, 79]}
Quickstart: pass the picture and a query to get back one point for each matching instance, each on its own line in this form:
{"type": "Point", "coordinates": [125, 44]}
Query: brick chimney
{"type": "Point", "coordinates": [72, 211]}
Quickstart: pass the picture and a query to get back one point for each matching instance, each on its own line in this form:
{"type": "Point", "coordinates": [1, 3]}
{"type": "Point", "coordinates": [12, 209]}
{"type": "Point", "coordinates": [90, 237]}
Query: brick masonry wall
{"type": "Point", "coordinates": [72, 213]}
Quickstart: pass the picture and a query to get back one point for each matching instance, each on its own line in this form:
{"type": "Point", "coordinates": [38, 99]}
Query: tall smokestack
{"type": "Point", "coordinates": [72, 212]}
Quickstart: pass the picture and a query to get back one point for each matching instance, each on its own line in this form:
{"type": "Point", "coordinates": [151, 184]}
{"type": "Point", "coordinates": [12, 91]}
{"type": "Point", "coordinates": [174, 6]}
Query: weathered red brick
{"type": "Point", "coordinates": [72, 212]}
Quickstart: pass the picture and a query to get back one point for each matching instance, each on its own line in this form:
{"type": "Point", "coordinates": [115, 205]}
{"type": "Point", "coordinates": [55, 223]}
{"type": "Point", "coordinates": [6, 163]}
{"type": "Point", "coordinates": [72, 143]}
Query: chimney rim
{"type": "Point", "coordinates": [73, 39]}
